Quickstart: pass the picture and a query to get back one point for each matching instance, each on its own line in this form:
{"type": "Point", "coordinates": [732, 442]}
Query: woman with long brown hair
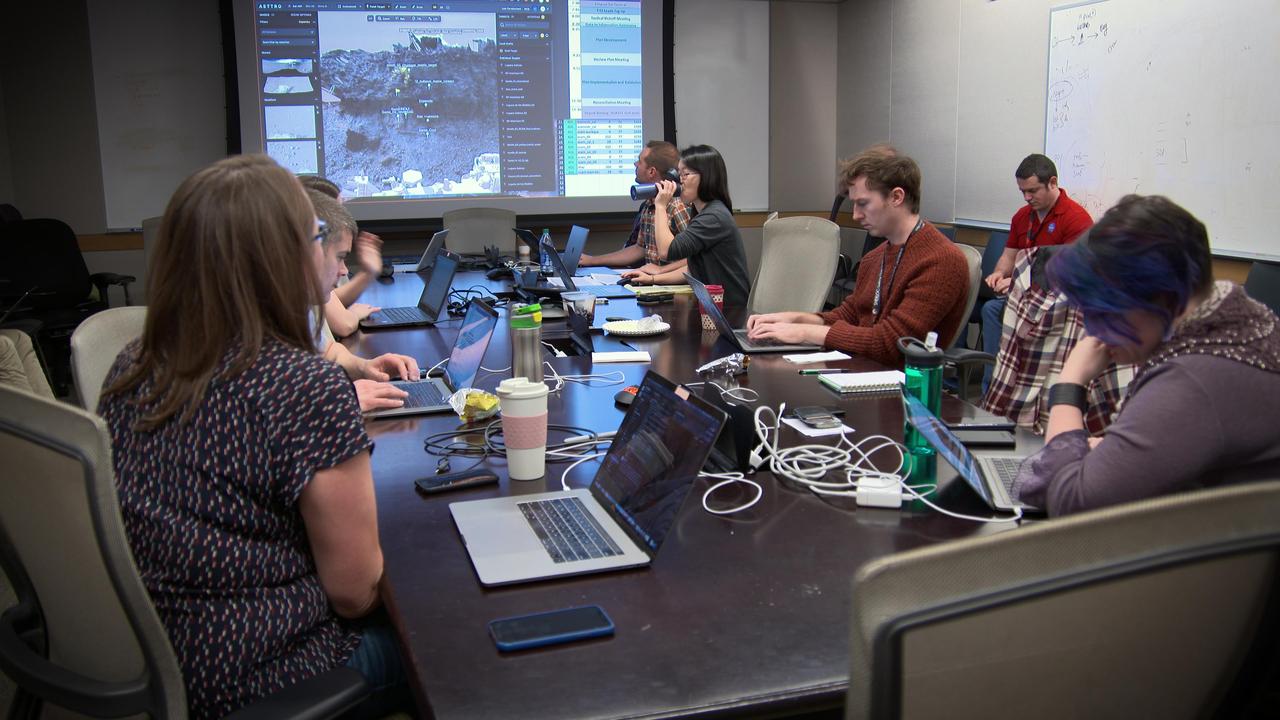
{"type": "Point", "coordinates": [240, 454]}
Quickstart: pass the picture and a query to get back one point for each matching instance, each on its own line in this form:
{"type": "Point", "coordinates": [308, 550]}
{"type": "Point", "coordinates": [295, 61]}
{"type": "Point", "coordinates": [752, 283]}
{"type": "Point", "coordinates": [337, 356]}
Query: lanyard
{"type": "Point", "coordinates": [875, 303]}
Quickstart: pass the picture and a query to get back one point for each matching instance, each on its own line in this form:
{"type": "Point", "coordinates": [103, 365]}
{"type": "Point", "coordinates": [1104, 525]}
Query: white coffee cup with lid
{"type": "Point", "coordinates": [524, 427]}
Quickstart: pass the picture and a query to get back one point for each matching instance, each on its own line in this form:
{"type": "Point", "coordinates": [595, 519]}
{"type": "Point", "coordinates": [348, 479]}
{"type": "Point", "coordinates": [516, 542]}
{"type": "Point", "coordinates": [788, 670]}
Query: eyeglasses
{"type": "Point", "coordinates": [324, 231]}
{"type": "Point", "coordinates": [687, 173]}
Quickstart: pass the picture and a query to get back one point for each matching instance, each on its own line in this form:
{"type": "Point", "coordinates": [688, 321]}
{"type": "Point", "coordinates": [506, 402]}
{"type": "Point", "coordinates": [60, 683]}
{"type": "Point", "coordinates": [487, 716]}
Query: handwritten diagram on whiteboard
{"type": "Point", "coordinates": [1176, 98]}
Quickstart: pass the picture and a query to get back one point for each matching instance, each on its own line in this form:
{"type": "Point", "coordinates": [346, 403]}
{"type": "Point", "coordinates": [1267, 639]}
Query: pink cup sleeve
{"type": "Point", "coordinates": [524, 433]}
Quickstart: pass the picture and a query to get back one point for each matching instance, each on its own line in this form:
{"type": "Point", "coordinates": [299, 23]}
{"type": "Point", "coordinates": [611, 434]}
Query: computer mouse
{"type": "Point", "coordinates": [626, 395]}
{"type": "Point", "coordinates": [387, 270]}
{"type": "Point", "coordinates": [499, 273]}
{"type": "Point", "coordinates": [623, 281]}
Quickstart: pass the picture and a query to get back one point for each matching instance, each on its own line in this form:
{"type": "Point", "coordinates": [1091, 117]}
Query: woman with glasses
{"type": "Point", "coordinates": [711, 242]}
{"type": "Point", "coordinates": [1208, 360]}
{"type": "Point", "coordinates": [240, 454]}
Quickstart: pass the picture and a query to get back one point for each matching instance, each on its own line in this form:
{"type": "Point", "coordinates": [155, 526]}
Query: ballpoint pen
{"type": "Point", "coordinates": [821, 371]}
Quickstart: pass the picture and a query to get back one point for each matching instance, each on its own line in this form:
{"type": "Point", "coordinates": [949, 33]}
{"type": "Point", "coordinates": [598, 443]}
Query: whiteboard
{"type": "Point", "coordinates": [721, 57]}
{"type": "Point", "coordinates": [1176, 98]}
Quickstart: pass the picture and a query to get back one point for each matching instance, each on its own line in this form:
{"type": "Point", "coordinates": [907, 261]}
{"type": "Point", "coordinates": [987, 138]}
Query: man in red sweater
{"type": "Point", "coordinates": [915, 283]}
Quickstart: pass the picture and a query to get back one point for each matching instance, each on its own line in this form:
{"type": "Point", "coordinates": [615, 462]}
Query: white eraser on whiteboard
{"type": "Point", "coordinates": [630, 356]}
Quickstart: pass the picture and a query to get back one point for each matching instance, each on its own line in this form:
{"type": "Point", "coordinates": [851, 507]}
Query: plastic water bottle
{"type": "Point", "coordinates": [924, 380]}
{"type": "Point", "coordinates": [545, 248]}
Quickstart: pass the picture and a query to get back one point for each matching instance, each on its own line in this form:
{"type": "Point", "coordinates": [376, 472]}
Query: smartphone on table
{"type": "Point", "coordinates": [550, 628]}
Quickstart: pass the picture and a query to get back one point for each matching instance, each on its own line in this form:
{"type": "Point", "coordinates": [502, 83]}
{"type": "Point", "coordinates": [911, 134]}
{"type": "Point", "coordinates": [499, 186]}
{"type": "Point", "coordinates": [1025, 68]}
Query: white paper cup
{"type": "Point", "coordinates": [524, 427]}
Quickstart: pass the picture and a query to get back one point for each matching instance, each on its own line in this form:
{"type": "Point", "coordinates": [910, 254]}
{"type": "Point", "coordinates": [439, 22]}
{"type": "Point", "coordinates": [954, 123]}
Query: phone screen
{"type": "Point", "coordinates": [549, 627]}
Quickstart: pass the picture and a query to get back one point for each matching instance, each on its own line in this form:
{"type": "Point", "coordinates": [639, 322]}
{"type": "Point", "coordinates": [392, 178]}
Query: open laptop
{"type": "Point", "coordinates": [428, 256]}
{"type": "Point", "coordinates": [989, 472]}
{"type": "Point", "coordinates": [618, 522]}
{"type": "Point", "coordinates": [431, 395]}
{"type": "Point", "coordinates": [434, 294]}
{"type": "Point", "coordinates": [738, 338]}
{"type": "Point", "coordinates": [546, 288]}
{"type": "Point", "coordinates": [573, 247]}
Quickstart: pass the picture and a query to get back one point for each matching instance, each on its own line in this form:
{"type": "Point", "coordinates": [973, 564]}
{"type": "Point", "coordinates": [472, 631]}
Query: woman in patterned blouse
{"type": "Point", "coordinates": [240, 455]}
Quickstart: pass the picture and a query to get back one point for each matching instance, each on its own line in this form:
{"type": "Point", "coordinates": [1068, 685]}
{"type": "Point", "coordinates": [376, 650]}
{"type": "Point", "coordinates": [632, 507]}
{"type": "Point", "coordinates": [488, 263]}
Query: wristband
{"type": "Point", "coordinates": [1071, 394]}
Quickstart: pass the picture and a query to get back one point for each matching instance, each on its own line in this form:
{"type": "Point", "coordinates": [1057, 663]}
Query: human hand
{"type": "Point", "coordinates": [666, 190]}
{"type": "Point", "coordinates": [375, 395]}
{"type": "Point", "coordinates": [771, 318]}
{"type": "Point", "coordinates": [363, 310]}
{"type": "Point", "coordinates": [388, 364]}
{"type": "Point", "coordinates": [1087, 360]}
{"type": "Point", "coordinates": [788, 333]}
{"type": "Point", "coordinates": [368, 252]}
{"type": "Point", "coordinates": [1002, 285]}
{"type": "Point", "coordinates": [586, 260]}
{"type": "Point", "coordinates": [638, 277]}
{"type": "Point", "coordinates": [651, 268]}
{"type": "Point", "coordinates": [992, 279]}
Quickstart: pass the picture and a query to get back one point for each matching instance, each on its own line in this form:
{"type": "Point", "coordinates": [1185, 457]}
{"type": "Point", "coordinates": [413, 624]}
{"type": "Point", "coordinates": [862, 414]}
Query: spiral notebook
{"type": "Point", "coordinates": [857, 382]}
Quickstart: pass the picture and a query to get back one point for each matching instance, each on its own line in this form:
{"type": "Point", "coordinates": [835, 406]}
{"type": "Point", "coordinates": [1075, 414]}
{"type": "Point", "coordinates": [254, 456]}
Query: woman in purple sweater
{"type": "Point", "coordinates": [1201, 410]}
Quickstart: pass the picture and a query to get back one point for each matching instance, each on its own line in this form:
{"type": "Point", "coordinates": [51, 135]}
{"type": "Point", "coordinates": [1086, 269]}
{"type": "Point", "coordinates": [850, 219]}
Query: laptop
{"type": "Point", "coordinates": [428, 255]}
{"type": "Point", "coordinates": [989, 472]}
{"type": "Point", "coordinates": [738, 338]}
{"type": "Point", "coordinates": [573, 247]}
{"type": "Point", "coordinates": [431, 395]}
{"type": "Point", "coordinates": [434, 294]}
{"type": "Point", "coordinates": [546, 288]}
{"type": "Point", "coordinates": [618, 522]}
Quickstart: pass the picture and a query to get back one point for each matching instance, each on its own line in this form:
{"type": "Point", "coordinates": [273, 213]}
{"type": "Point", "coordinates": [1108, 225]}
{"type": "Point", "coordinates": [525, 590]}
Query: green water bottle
{"type": "Point", "coordinates": [924, 381]}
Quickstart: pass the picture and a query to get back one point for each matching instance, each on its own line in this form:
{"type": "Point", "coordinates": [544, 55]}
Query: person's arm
{"type": "Point", "coordinates": [380, 368]}
{"type": "Point", "coordinates": [341, 519]}
{"type": "Point", "coordinates": [367, 249]}
{"type": "Point", "coordinates": [788, 327]}
{"type": "Point", "coordinates": [342, 321]}
{"type": "Point", "coordinates": [670, 274]}
{"type": "Point", "coordinates": [626, 257]}
{"type": "Point", "coordinates": [662, 236]}
{"type": "Point", "coordinates": [1087, 361]}
{"type": "Point", "coordinates": [999, 279]}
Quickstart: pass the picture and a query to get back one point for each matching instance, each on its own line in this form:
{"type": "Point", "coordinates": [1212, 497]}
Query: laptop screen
{"type": "Point", "coordinates": [561, 271]}
{"type": "Point", "coordinates": [473, 340]}
{"type": "Point", "coordinates": [946, 443]}
{"type": "Point", "coordinates": [653, 460]}
{"type": "Point", "coordinates": [573, 248]}
{"type": "Point", "coordinates": [437, 289]}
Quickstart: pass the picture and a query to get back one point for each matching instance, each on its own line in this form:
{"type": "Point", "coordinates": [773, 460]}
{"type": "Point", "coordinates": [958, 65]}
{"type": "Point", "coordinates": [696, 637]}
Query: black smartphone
{"type": "Point", "coordinates": [550, 628]}
{"type": "Point", "coordinates": [986, 438]}
{"type": "Point", "coordinates": [816, 417]}
{"type": "Point", "coordinates": [453, 481]}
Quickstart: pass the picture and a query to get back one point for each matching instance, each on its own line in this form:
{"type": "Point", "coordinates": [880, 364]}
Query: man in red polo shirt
{"type": "Point", "coordinates": [1048, 218]}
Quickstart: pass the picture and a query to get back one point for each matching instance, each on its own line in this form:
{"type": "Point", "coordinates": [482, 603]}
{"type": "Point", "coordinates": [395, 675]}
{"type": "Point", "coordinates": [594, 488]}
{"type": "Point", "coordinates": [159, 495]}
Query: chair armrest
{"type": "Point", "coordinates": [326, 695]}
{"type": "Point", "coordinates": [104, 279]}
{"type": "Point", "coordinates": [963, 356]}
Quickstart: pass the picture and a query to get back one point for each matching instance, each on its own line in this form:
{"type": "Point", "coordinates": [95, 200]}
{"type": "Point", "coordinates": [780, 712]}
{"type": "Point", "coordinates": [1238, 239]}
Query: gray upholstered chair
{"type": "Point", "coordinates": [20, 365]}
{"type": "Point", "coordinates": [966, 361]}
{"type": "Point", "coordinates": [797, 265]}
{"type": "Point", "coordinates": [1149, 609]}
{"type": "Point", "coordinates": [95, 345]}
{"type": "Point", "coordinates": [473, 229]}
{"type": "Point", "coordinates": [83, 635]}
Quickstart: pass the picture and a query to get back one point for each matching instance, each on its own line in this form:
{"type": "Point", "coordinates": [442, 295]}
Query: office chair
{"type": "Point", "coordinates": [947, 230]}
{"type": "Point", "coordinates": [854, 243]}
{"type": "Point", "coordinates": [996, 242]}
{"type": "Point", "coordinates": [473, 229]}
{"type": "Point", "coordinates": [1160, 608]}
{"type": "Point", "coordinates": [797, 265]}
{"type": "Point", "coordinates": [43, 277]}
{"type": "Point", "coordinates": [95, 345]}
{"type": "Point", "coordinates": [83, 635]}
{"type": "Point", "coordinates": [958, 357]}
{"type": "Point", "coordinates": [1263, 284]}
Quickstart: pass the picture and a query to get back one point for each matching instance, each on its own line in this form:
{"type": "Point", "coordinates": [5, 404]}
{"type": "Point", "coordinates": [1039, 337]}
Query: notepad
{"type": "Point", "coordinates": [857, 382]}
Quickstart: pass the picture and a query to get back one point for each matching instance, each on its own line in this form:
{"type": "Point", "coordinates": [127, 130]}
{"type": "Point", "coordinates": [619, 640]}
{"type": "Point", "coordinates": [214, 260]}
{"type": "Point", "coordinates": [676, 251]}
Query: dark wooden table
{"type": "Point", "coordinates": [745, 614]}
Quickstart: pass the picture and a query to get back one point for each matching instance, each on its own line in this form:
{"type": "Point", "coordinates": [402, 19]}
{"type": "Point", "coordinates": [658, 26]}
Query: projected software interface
{"type": "Point", "coordinates": [414, 99]}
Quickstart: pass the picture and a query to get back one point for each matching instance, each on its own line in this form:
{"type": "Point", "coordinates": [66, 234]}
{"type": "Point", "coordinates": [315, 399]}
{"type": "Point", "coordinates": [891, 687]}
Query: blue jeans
{"type": "Point", "coordinates": [992, 328]}
{"type": "Point", "coordinates": [378, 659]}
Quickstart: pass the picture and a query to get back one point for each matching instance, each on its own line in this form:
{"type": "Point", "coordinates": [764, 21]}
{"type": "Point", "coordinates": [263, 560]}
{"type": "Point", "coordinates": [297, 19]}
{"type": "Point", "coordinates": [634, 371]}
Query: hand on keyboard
{"type": "Point", "coordinates": [374, 395]}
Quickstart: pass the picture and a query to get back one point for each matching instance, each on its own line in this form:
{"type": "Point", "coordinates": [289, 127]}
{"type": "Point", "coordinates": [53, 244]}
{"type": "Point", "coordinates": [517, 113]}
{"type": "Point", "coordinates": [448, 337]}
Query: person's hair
{"type": "Point", "coordinates": [321, 184]}
{"type": "Point", "coordinates": [713, 178]}
{"type": "Point", "coordinates": [1038, 166]}
{"type": "Point", "coordinates": [663, 156]}
{"type": "Point", "coordinates": [884, 169]}
{"type": "Point", "coordinates": [233, 266]}
{"type": "Point", "coordinates": [1146, 253]}
{"type": "Point", "coordinates": [334, 214]}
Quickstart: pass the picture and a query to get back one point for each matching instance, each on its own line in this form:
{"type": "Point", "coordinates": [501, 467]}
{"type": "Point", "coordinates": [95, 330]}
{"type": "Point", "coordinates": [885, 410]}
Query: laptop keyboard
{"type": "Point", "coordinates": [422, 394]}
{"type": "Point", "coordinates": [1006, 471]}
{"type": "Point", "coordinates": [402, 314]}
{"type": "Point", "coordinates": [567, 530]}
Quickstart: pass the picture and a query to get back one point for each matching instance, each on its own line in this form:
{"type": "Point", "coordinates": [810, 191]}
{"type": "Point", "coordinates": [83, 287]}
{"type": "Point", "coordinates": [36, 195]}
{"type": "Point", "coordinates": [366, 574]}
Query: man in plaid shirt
{"type": "Point", "coordinates": [655, 161]}
{"type": "Point", "coordinates": [1040, 329]}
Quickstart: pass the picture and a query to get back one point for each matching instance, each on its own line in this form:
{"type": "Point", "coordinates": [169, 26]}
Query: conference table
{"type": "Point", "coordinates": [744, 614]}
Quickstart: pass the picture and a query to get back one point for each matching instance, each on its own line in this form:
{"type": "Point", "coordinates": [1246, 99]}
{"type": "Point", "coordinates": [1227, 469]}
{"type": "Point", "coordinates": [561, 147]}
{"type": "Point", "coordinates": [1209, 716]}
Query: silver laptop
{"type": "Point", "coordinates": [432, 300]}
{"type": "Point", "coordinates": [431, 395]}
{"type": "Point", "coordinates": [618, 522]}
{"type": "Point", "coordinates": [573, 248]}
{"type": "Point", "coordinates": [428, 255]}
{"type": "Point", "coordinates": [544, 288]}
{"type": "Point", "coordinates": [738, 338]}
{"type": "Point", "coordinates": [989, 472]}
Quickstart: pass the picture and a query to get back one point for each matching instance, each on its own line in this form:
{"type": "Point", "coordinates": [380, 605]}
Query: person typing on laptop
{"type": "Point", "coordinates": [915, 283]}
{"type": "Point", "coordinates": [371, 375]}
{"type": "Point", "coordinates": [341, 310]}
{"type": "Point", "coordinates": [1208, 360]}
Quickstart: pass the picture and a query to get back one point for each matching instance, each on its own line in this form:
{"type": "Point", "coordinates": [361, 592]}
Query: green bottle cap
{"type": "Point", "coordinates": [527, 316]}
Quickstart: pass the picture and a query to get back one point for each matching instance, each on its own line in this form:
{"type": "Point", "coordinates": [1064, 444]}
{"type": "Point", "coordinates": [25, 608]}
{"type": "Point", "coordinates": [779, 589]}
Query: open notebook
{"type": "Point", "coordinates": [855, 382]}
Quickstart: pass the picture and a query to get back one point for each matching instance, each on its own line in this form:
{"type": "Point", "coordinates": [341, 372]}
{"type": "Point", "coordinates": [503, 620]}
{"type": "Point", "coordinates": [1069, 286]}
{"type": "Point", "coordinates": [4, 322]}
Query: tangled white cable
{"type": "Point", "coordinates": [616, 377]}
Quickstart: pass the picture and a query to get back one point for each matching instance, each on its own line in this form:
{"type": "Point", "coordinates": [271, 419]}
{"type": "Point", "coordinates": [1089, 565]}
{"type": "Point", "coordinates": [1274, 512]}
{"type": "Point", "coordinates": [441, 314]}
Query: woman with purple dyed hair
{"type": "Point", "coordinates": [1208, 357]}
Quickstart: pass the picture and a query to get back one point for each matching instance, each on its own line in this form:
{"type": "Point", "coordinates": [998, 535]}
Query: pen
{"type": "Point", "coordinates": [820, 371]}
